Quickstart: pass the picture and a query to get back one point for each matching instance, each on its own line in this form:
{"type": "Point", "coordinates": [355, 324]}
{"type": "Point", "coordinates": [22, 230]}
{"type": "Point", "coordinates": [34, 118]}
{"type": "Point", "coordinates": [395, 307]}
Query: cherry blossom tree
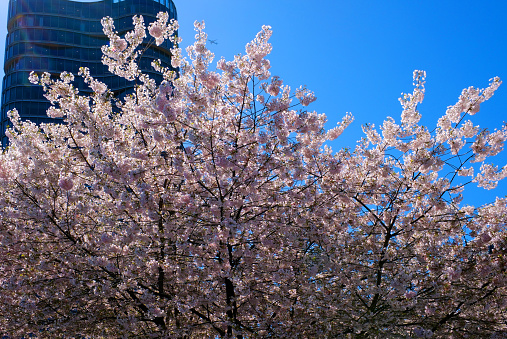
{"type": "Point", "coordinates": [210, 205]}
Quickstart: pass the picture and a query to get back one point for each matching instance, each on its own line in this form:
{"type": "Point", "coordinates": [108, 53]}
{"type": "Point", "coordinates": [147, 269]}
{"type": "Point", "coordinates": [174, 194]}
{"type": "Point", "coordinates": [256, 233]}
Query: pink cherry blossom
{"type": "Point", "coordinates": [66, 184]}
{"type": "Point", "coordinates": [211, 206]}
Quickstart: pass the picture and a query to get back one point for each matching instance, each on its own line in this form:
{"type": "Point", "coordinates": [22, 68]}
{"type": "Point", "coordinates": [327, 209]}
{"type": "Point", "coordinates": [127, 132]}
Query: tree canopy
{"type": "Point", "coordinates": [210, 205]}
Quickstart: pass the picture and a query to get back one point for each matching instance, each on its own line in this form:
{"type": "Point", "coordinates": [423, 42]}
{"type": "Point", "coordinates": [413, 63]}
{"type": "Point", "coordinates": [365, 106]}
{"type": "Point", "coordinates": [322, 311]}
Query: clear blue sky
{"type": "Point", "coordinates": [358, 55]}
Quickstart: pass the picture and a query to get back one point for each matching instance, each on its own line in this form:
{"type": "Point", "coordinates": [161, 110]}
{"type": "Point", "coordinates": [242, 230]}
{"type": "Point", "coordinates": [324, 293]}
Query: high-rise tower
{"type": "Point", "coordinates": [62, 35]}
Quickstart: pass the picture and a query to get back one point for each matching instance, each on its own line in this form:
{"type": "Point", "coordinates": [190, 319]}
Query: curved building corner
{"type": "Point", "coordinates": [62, 35]}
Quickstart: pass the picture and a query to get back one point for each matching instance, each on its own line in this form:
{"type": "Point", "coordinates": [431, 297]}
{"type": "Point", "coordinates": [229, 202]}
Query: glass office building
{"type": "Point", "coordinates": [62, 35]}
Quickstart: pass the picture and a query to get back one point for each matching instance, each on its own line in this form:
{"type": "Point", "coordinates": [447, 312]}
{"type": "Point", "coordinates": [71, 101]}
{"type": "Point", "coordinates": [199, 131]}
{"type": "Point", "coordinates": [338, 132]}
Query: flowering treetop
{"type": "Point", "coordinates": [210, 206]}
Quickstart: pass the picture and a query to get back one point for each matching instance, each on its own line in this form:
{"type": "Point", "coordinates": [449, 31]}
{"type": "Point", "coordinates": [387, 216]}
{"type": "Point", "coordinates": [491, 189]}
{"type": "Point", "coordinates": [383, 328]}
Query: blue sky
{"type": "Point", "coordinates": [358, 56]}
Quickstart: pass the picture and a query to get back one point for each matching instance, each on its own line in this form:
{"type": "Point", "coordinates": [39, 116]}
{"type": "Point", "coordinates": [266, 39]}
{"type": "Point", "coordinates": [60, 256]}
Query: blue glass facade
{"type": "Point", "coordinates": [62, 35]}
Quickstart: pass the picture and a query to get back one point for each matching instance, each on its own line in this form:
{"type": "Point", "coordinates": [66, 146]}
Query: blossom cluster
{"type": "Point", "coordinates": [210, 205]}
